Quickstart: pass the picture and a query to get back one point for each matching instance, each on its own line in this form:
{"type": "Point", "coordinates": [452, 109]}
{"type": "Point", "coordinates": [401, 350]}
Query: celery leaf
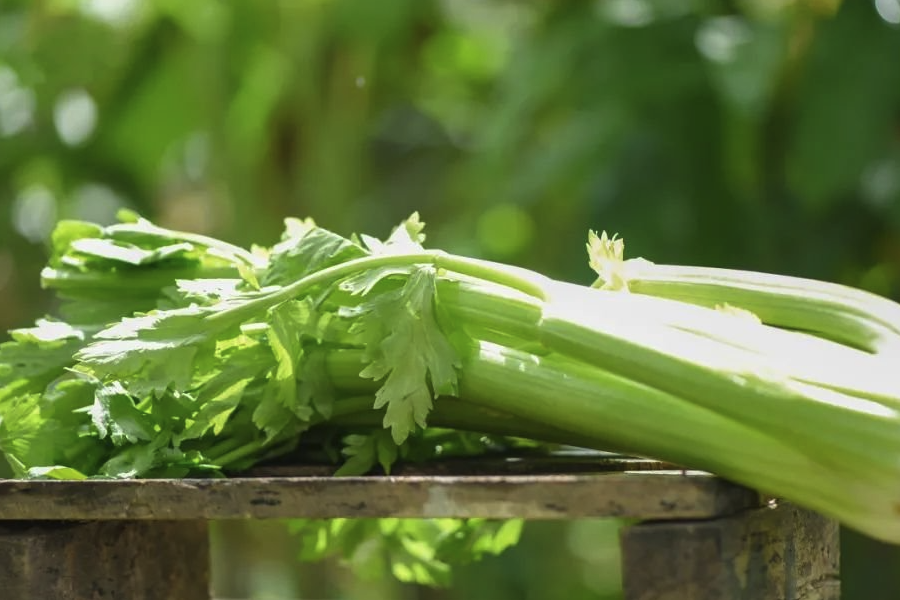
{"type": "Point", "coordinates": [115, 415]}
{"type": "Point", "coordinates": [306, 248]}
{"type": "Point", "coordinates": [406, 347]}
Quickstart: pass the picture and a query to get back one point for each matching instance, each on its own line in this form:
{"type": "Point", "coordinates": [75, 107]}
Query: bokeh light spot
{"type": "Point", "coordinates": [505, 229]}
{"type": "Point", "coordinates": [888, 10]}
{"type": "Point", "coordinates": [34, 213]}
{"type": "Point", "coordinates": [16, 103]}
{"type": "Point", "coordinates": [719, 38]}
{"type": "Point", "coordinates": [75, 116]}
{"type": "Point", "coordinates": [116, 13]}
{"type": "Point", "coordinates": [641, 13]}
{"type": "Point", "coordinates": [97, 203]}
{"type": "Point", "coordinates": [626, 13]}
{"type": "Point", "coordinates": [880, 183]}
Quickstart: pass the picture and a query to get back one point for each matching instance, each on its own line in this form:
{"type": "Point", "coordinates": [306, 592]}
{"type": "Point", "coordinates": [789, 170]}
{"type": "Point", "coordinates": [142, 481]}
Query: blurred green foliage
{"type": "Point", "coordinates": [759, 134]}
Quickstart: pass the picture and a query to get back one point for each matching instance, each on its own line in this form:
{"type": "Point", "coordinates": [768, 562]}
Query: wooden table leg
{"type": "Point", "coordinates": [104, 560]}
{"type": "Point", "coordinates": [780, 553]}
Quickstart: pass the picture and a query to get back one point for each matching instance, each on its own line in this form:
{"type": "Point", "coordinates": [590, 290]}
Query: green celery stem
{"type": "Point", "coordinates": [833, 311]}
{"type": "Point", "coordinates": [813, 418]}
{"type": "Point", "coordinates": [454, 413]}
{"type": "Point", "coordinates": [576, 398]}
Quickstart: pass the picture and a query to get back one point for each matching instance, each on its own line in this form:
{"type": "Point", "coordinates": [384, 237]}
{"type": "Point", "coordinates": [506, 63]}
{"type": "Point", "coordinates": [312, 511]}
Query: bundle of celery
{"type": "Point", "coordinates": [179, 355]}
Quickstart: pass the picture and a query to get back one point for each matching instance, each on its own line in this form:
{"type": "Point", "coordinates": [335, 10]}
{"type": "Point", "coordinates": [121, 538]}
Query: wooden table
{"type": "Point", "coordinates": [698, 537]}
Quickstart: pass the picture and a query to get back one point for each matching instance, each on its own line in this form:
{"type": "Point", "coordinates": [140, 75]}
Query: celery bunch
{"type": "Point", "coordinates": [178, 355]}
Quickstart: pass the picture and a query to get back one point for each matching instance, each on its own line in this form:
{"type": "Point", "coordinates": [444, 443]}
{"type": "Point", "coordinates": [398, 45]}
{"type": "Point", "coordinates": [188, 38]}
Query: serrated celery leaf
{"type": "Point", "coordinates": [405, 391]}
{"type": "Point", "coordinates": [134, 282]}
{"type": "Point", "coordinates": [138, 460]}
{"type": "Point", "coordinates": [50, 428]}
{"type": "Point", "coordinates": [20, 439]}
{"type": "Point", "coordinates": [37, 355]}
{"type": "Point", "coordinates": [316, 323]}
{"type": "Point", "coordinates": [405, 237]}
{"type": "Point", "coordinates": [298, 384]}
{"type": "Point", "coordinates": [129, 254]}
{"type": "Point", "coordinates": [363, 452]}
{"type": "Point", "coordinates": [131, 462]}
{"type": "Point", "coordinates": [115, 415]}
{"type": "Point", "coordinates": [406, 346]}
{"type": "Point", "coordinates": [408, 234]}
{"type": "Point", "coordinates": [48, 332]}
{"type": "Point", "coordinates": [285, 323]}
{"type": "Point", "coordinates": [274, 417]}
{"type": "Point", "coordinates": [65, 399]}
{"type": "Point", "coordinates": [153, 351]}
{"type": "Point", "coordinates": [207, 291]}
{"type": "Point", "coordinates": [364, 282]}
{"type": "Point", "coordinates": [281, 406]}
{"type": "Point", "coordinates": [221, 393]}
{"type": "Point", "coordinates": [147, 366]}
{"type": "Point", "coordinates": [306, 249]}
{"type": "Point", "coordinates": [144, 233]}
{"type": "Point", "coordinates": [103, 310]}
{"type": "Point", "coordinates": [68, 231]}
{"type": "Point", "coordinates": [158, 349]}
{"type": "Point", "coordinates": [236, 359]}
{"type": "Point", "coordinates": [134, 261]}
{"type": "Point", "coordinates": [56, 472]}
{"type": "Point", "coordinates": [413, 560]}
{"type": "Point", "coordinates": [30, 439]}
{"type": "Point", "coordinates": [216, 412]}
{"type": "Point", "coordinates": [373, 548]}
{"type": "Point", "coordinates": [315, 387]}
{"type": "Point", "coordinates": [86, 246]}
{"type": "Point", "coordinates": [171, 409]}
{"type": "Point", "coordinates": [471, 539]}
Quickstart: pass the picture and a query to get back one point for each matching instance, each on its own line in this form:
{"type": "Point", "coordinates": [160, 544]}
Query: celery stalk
{"type": "Point", "coordinates": [829, 310]}
{"type": "Point", "coordinates": [619, 413]}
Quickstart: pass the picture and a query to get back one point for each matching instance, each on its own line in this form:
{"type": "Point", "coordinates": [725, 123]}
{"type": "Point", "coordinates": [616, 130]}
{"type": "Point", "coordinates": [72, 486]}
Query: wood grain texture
{"type": "Point", "coordinates": [782, 553]}
{"type": "Point", "coordinates": [162, 560]}
{"type": "Point", "coordinates": [638, 494]}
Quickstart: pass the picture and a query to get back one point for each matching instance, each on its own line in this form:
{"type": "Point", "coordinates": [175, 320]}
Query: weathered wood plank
{"type": "Point", "coordinates": [781, 553]}
{"type": "Point", "coordinates": [639, 494]}
{"type": "Point", "coordinates": [162, 560]}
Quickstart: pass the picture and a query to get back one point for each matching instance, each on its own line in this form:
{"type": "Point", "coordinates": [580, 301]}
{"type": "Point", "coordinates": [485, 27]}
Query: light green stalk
{"type": "Point", "coordinates": [570, 396]}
